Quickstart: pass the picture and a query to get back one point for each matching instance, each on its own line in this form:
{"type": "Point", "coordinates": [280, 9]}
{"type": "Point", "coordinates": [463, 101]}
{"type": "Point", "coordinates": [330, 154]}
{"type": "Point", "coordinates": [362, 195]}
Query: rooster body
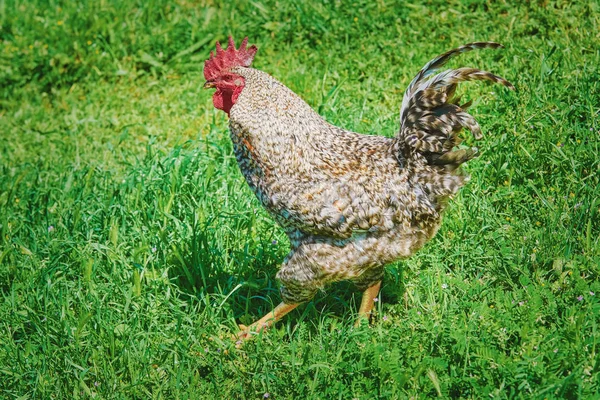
{"type": "Point", "coordinates": [343, 198]}
{"type": "Point", "coordinates": [350, 203]}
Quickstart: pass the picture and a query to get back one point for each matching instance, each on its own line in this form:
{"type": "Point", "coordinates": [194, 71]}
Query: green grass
{"type": "Point", "coordinates": [130, 245]}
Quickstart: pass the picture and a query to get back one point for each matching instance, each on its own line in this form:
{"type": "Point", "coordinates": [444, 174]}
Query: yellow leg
{"type": "Point", "coordinates": [368, 300]}
{"type": "Point", "coordinates": [265, 322]}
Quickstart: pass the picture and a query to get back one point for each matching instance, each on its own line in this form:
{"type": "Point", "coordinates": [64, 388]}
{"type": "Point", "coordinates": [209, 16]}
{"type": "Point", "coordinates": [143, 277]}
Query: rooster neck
{"type": "Point", "coordinates": [268, 98]}
{"type": "Point", "coordinates": [272, 126]}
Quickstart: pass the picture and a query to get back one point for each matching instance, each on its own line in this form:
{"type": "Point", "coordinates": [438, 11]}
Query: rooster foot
{"type": "Point", "coordinates": [247, 332]}
{"type": "Point", "coordinates": [367, 303]}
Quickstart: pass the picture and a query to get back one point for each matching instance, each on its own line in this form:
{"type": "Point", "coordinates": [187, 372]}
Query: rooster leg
{"type": "Point", "coordinates": [266, 321]}
{"type": "Point", "coordinates": [368, 300]}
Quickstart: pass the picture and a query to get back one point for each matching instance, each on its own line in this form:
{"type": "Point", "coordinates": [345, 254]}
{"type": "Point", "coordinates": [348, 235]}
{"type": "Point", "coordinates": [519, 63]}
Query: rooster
{"type": "Point", "coordinates": [349, 203]}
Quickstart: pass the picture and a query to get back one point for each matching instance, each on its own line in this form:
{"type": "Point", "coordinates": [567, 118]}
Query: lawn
{"type": "Point", "coordinates": [131, 246]}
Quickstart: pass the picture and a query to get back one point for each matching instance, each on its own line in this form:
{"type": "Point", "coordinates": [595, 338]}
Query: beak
{"type": "Point", "coordinates": [209, 84]}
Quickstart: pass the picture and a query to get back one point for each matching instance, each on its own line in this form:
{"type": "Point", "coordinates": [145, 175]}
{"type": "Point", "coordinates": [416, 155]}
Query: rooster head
{"type": "Point", "coordinates": [218, 75]}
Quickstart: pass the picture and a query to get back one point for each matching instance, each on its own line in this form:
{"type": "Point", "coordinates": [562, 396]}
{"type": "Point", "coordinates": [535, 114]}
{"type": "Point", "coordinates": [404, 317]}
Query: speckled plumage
{"type": "Point", "coordinates": [351, 203]}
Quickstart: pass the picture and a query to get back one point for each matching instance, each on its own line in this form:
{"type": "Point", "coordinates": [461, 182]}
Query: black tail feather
{"type": "Point", "coordinates": [431, 117]}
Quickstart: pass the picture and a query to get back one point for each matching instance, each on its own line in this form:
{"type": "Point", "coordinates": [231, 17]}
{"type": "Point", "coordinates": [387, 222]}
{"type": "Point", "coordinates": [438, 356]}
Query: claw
{"type": "Point", "coordinates": [240, 337]}
{"type": "Point", "coordinates": [247, 332]}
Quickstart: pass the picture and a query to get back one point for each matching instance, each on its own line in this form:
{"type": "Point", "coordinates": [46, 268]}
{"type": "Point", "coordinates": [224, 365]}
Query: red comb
{"type": "Point", "coordinates": [228, 58]}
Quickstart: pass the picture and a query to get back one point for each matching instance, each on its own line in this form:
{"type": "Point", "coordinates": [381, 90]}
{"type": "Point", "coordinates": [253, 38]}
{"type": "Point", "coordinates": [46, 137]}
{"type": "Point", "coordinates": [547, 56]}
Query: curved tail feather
{"type": "Point", "coordinates": [431, 117]}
